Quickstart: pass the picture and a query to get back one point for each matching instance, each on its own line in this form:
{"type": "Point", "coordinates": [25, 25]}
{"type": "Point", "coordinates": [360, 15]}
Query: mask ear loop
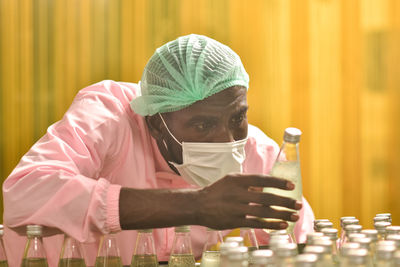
{"type": "Point", "coordinates": [162, 119]}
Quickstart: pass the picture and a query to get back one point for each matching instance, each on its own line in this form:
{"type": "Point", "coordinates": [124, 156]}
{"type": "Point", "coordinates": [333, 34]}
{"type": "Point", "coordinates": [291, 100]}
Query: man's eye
{"type": "Point", "coordinates": [239, 119]}
{"type": "Point", "coordinates": [203, 126]}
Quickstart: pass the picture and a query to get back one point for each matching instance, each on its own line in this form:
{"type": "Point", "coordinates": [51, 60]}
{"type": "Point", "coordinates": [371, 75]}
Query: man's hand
{"type": "Point", "coordinates": [234, 201]}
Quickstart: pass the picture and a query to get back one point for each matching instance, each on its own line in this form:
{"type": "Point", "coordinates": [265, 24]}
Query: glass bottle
{"type": "Point", "coordinates": [344, 252]}
{"type": "Point", "coordinates": [237, 239]}
{"type": "Point", "coordinates": [237, 257]}
{"type": "Point", "coordinates": [323, 225]}
{"type": "Point", "coordinates": [71, 253]}
{"type": "Point", "coordinates": [393, 230]}
{"type": "Point", "coordinates": [381, 228]}
{"type": "Point", "coordinates": [365, 243]}
{"type": "Point", "coordinates": [349, 229]}
{"type": "Point", "coordinates": [318, 221]}
{"type": "Point", "coordinates": [373, 235]}
{"type": "Point", "coordinates": [285, 255]}
{"type": "Point", "coordinates": [249, 238]}
{"type": "Point", "coordinates": [3, 256]}
{"type": "Point", "coordinates": [343, 224]}
{"type": "Point", "coordinates": [357, 258]}
{"type": "Point", "coordinates": [211, 250]}
{"type": "Point", "coordinates": [181, 254]}
{"type": "Point", "coordinates": [287, 165]}
{"type": "Point", "coordinates": [327, 259]}
{"type": "Point", "coordinates": [389, 215]}
{"type": "Point", "coordinates": [395, 239]}
{"type": "Point", "coordinates": [306, 260]}
{"type": "Point", "coordinates": [384, 256]}
{"type": "Point", "coordinates": [224, 251]}
{"type": "Point", "coordinates": [262, 258]}
{"type": "Point", "coordinates": [108, 253]}
{"type": "Point", "coordinates": [281, 233]}
{"type": "Point", "coordinates": [332, 233]}
{"type": "Point", "coordinates": [34, 254]}
{"type": "Point", "coordinates": [144, 254]}
{"type": "Point", "coordinates": [319, 252]}
{"type": "Point", "coordinates": [396, 259]}
{"type": "Point", "coordinates": [311, 237]}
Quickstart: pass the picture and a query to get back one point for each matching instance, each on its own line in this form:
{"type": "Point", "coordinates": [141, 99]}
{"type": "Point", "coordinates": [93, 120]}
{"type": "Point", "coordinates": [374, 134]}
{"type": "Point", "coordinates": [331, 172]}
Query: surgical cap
{"type": "Point", "coordinates": [186, 70]}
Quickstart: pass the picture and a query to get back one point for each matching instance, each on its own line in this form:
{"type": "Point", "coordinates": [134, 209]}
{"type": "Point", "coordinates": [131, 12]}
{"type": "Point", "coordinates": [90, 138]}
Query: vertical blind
{"type": "Point", "coordinates": [328, 67]}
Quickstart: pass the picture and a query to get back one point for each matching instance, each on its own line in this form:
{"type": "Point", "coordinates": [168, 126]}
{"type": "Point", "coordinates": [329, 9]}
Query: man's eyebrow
{"type": "Point", "coordinates": [199, 118]}
{"type": "Point", "coordinates": [241, 110]}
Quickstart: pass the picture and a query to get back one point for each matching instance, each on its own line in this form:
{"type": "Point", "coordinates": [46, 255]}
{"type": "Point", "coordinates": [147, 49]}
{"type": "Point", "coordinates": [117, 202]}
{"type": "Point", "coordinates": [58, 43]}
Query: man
{"type": "Point", "coordinates": [175, 150]}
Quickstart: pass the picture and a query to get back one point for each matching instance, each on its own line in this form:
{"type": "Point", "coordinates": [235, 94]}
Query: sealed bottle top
{"type": "Point", "coordinates": [385, 243]}
{"type": "Point", "coordinates": [352, 228]}
{"type": "Point", "coordinates": [346, 218]}
{"type": "Point", "coordinates": [276, 241]}
{"type": "Point", "coordinates": [306, 260]}
{"type": "Point", "coordinates": [286, 250]}
{"type": "Point", "coordinates": [182, 229]}
{"type": "Point", "coordinates": [371, 233]}
{"type": "Point", "coordinates": [395, 238]}
{"type": "Point", "coordinates": [349, 222]}
{"type": "Point", "coordinates": [332, 233]}
{"type": "Point", "coordinates": [384, 215]}
{"type": "Point", "coordinates": [143, 231]}
{"type": "Point", "coordinates": [393, 230]}
{"type": "Point", "coordinates": [34, 230]}
{"type": "Point", "coordinates": [237, 239]}
{"type": "Point", "coordinates": [382, 219]}
{"type": "Point", "coordinates": [238, 254]}
{"type": "Point", "coordinates": [318, 221]}
{"type": "Point", "coordinates": [292, 135]}
{"type": "Point", "coordinates": [358, 256]}
{"type": "Point", "coordinates": [262, 256]}
{"type": "Point", "coordinates": [225, 247]}
{"type": "Point", "coordinates": [311, 237]}
{"type": "Point", "coordinates": [325, 244]}
{"type": "Point", "coordinates": [323, 225]}
{"type": "Point", "coordinates": [347, 247]}
{"type": "Point", "coordinates": [316, 250]}
{"type": "Point", "coordinates": [363, 241]}
{"type": "Point", "coordinates": [353, 236]}
{"type": "Point", "coordinates": [381, 226]}
{"type": "Point", "coordinates": [385, 253]}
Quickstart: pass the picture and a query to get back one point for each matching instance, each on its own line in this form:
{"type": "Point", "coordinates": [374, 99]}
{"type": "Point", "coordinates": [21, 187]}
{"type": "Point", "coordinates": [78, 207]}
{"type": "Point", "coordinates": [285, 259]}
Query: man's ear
{"type": "Point", "coordinates": [154, 124]}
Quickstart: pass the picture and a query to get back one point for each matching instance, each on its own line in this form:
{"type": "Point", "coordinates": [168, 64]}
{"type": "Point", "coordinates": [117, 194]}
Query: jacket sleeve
{"type": "Point", "coordinates": [58, 183]}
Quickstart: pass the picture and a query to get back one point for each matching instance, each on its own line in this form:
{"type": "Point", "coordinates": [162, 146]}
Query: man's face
{"type": "Point", "coordinates": [219, 118]}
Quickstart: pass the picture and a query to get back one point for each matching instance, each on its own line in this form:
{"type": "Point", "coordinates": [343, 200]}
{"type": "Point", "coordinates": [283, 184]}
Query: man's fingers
{"type": "Point", "coordinates": [267, 212]}
{"type": "Point", "coordinates": [258, 180]}
{"type": "Point", "coordinates": [268, 199]}
{"type": "Point", "coordinates": [257, 223]}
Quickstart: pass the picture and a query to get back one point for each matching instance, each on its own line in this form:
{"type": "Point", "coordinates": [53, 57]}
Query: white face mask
{"type": "Point", "coordinates": [205, 163]}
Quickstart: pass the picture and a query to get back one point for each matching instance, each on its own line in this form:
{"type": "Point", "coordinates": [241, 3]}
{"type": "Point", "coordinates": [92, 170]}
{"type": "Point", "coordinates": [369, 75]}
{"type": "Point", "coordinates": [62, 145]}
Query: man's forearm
{"type": "Point", "coordinates": [156, 208]}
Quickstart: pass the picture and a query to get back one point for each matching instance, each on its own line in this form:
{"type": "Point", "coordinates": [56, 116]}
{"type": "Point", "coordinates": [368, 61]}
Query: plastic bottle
{"type": "Point", "coordinates": [287, 165]}
{"type": "Point", "coordinates": [144, 254]}
{"type": "Point", "coordinates": [3, 256]}
{"type": "Point", "coordinates": [71, 253]}
{"type": "Point", "coordinates": [211, 252]}
{"type": "Point", "coordinates": [181, 254]}
{"type": "Point", "coordinates": [108, 254]}
{"type": "Point", "coordinates": [34, 254]}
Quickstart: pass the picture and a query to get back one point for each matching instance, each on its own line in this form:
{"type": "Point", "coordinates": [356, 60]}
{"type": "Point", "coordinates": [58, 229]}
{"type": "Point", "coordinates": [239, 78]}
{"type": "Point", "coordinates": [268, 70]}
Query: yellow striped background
{"type": "Point", "coordinates": [329, 67]}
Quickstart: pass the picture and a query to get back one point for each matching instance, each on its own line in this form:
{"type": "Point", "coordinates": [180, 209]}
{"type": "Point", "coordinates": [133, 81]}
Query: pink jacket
{"type": "Point", "coordinates": [71, 178]}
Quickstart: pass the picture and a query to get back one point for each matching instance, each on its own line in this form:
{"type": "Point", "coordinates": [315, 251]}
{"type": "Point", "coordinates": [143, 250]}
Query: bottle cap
{"type": "Point", "coordinates": [286, 250]}
{"type": "Point", "coordinates": [317, 250]}
{"type": "Point", "coordinates": [182, 229]}
{"type": "Point", "coordinates": [352, 228]}
{"type": "Point", "coordinates": [393, 230]}
{"type": "Point", "coordinates": [385, 252]}
{"type": "Point", "coordinates": [345, 249]}
{"type": "Point", "coordinates": [225, 247]}
{"type": "Point", "coordinates": [278, 232]}
{"type": "Point", "coordinates": [349, 222]}
{"type": "Point", "coordinates": [381, 226]}
{"type": "Point", "coordinates": [363, 241]}
{"type": "Point", "coordinates": [323, 225]}
{"type": "Point", "coordinates": [320, 220]}
{"type": "Point", "coordinates": [371, 233]}
{"type": "Point", "coordinates": [331, 233]}
{"type": "Point", "coordinates": [238, 254]}
{"type": "Point", "coordinates": [262, 256]}
{"type": "Point", "coordinates": [326, 244]}
{"type": "Point", "coordinates": [394, 238]}
{"type": "Point", "coordinates": [292, 135]}
{"type": "Point", "coordinates": [145, 231]}
{"type": "Point", "coordinates": [384, 214]}
{"type": "Point", "coordinates": [382, 219]}
{"type": "Point", "coordinates": [313, 236]}
{"type": "Point", "coordinates": [306, 260]}
{"type": "Point", "coordinates": [237, 239]}
{"type": "Point", "coordinates": [385, 243]}
{"type": "Point", "coordinates": [357, 256]}
{"type": "Point", "coordinates": [34, 230]}
{"type": "Point", "coordinates": [353, 236]}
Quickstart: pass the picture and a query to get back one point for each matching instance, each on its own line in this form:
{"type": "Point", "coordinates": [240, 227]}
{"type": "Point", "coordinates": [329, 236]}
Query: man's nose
{"type": "Point", "coordinates": [224, 135]}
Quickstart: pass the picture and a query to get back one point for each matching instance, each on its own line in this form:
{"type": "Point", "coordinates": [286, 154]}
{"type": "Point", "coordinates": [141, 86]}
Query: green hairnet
{"type": "Point", "coordinates": [187, 70]}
